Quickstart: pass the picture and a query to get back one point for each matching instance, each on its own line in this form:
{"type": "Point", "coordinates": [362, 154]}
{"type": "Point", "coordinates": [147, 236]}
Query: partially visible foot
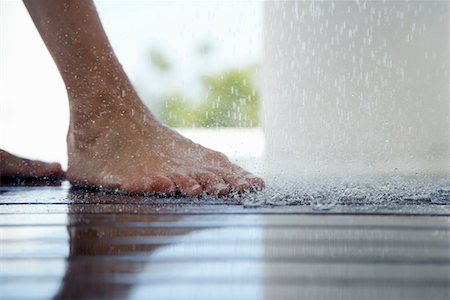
{"type": "Point", "coordinates": [130, 151]}
{"type": "Point", "coordinates": [14, 170]}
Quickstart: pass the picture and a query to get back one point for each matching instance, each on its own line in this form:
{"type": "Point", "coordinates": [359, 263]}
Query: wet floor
{"type": "Point", "coordinates": [73, 244]}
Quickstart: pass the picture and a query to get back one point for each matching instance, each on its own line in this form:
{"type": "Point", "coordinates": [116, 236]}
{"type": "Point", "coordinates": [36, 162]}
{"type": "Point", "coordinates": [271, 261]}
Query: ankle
{"type": "Point", "coordinates": [99, 102]}
{"type": "Point", "coordinates": [110, 124]}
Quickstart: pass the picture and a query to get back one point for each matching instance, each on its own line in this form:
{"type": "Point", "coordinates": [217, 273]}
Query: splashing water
{"type": "Point", "coordinates": [325, 193]}
{"type": "Point", "coordinates": [356, 88]}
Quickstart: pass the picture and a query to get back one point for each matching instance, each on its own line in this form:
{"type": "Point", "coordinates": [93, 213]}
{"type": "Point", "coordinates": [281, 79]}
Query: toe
{"type": "Point", "coordinates": [158, 184]}
{"type": "Point", "coordinates": [212, 183]}
{"type": "Point", "coordinates": [187, 185]}
{"type": "Point", "coordinates": [55, 170]}
{"type": "Point", "coordinates": [255, 181]}
{"type": "Point", "coordinates": [39, 169]}
{"type": "Point", "coordinates": [238, 183]}
{"type": "Point", "coordinates": [161, 184]}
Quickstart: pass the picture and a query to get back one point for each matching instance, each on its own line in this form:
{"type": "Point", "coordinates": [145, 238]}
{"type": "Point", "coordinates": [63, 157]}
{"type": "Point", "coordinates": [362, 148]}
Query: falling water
{"type": "Point", "coordinates": [356, 101]}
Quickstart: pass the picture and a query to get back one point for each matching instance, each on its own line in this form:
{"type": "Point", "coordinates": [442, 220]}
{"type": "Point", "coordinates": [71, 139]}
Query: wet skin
{"type": "Point", "coordinates": [135, 153]}
{"type": "Point", "coordinates": [114, 141]}
{"type": "Point", "coordinates": [15, 170]}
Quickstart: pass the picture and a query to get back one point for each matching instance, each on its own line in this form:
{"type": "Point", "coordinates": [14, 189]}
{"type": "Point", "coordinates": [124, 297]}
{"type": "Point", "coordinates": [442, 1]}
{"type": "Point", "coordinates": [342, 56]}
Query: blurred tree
{"type": "Point", "coordinates": [159, 60]}
{"type": "Point", "coordinates": [232, 101]}
{"type": "Point", "coordinates": [176, 112]}
{"type": "Point", "coordinates": [204, 49]}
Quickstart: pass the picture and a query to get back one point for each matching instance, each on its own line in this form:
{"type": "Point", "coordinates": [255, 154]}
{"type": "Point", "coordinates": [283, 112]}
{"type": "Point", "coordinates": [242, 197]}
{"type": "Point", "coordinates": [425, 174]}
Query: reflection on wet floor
{"type": "Point", "coordinates": [72, 244]}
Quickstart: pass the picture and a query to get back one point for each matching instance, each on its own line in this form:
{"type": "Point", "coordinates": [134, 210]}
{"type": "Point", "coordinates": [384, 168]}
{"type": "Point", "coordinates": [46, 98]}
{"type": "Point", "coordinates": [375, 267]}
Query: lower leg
{"type": "Point", "coordinates": [114, 141]}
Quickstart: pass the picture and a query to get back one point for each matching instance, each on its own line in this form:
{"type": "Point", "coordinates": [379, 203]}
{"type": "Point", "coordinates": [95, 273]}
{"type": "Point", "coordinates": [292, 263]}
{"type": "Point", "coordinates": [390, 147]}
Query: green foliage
{"type": "Point", "coordinates": [176, 112]}
{"type": "Point", "coordinates": [159, 60]}
{"type": "Point", "coordinates": [204, 49]}
{"type": "Point", "coordinates": [232, 101]}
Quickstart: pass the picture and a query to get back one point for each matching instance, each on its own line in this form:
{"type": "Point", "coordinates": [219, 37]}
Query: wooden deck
{"type": "Point", "coordinates": [61, 243]}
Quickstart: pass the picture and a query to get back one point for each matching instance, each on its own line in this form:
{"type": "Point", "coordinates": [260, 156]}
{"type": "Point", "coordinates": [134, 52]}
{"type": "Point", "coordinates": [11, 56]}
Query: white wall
{"type": "Point", "coordinates": [33, 99]}
{"type": "Point", "coordinates": [356, 86]}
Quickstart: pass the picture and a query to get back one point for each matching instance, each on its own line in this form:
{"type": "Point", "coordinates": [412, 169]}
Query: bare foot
{"type": "Point", "coordinates": [14, 169]}
{"type": "Point", "coordinates": [127, 149]}
{"type": "Point", "coordinates": [114, 141]}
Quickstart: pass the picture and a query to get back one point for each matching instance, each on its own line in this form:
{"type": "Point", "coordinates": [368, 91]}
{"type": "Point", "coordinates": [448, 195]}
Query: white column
{"type": "Point", "coordinates": [354, 87]}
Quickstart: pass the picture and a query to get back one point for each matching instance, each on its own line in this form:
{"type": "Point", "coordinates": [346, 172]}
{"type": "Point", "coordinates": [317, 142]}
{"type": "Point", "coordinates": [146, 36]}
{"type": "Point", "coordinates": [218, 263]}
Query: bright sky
{"type": "Point", "coordinates": [34, 110]}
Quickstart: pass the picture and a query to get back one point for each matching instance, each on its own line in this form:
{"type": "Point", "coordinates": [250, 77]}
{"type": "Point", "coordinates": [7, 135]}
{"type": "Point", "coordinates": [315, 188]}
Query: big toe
{"type": "Point", "coordinates": [255, 182]}
{"type": "Point", "coordinates": [237, 182]}
{"type": "Point", "coordinates": [55, 170]}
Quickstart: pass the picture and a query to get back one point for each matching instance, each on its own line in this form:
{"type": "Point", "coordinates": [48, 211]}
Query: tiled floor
{"type": "Point", "coordinates": [61, 243]}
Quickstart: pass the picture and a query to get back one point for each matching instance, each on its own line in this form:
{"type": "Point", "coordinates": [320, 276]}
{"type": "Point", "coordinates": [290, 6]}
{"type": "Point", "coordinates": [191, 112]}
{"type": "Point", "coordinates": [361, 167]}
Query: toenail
{"type": "Point", "coordinates": [221, 186]}
{"type": "Point", "coordinates": [242, 182]}
{"type": "Point", "coordinates": [195, 187]}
